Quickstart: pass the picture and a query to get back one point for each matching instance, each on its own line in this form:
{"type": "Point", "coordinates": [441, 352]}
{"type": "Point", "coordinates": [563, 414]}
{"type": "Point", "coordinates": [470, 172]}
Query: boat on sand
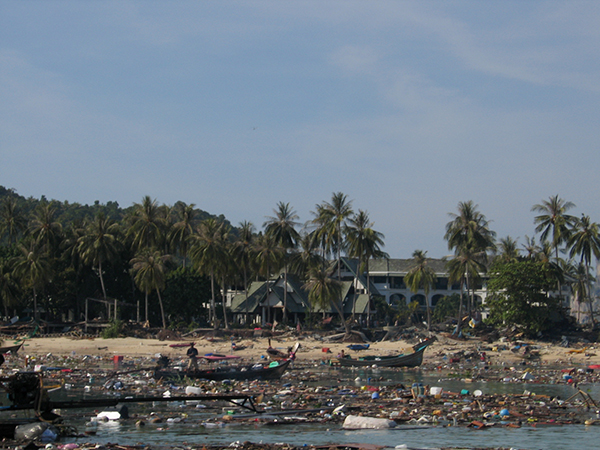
{"type": "Point", "coordinates": [401, 360]}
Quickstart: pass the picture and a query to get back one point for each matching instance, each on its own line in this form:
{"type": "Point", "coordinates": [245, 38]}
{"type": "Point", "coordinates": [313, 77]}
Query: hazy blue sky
{"type": "Point", "coordinates": [408, 107]}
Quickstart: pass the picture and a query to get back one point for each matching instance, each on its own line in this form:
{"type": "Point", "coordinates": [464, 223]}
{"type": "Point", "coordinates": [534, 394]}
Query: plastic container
{"type": "Point", "coordinates": [192, 390]}
{"type": "Point", "coordinates": [436, 391]}
{"type": "Point", "coordinates": [117, 360]}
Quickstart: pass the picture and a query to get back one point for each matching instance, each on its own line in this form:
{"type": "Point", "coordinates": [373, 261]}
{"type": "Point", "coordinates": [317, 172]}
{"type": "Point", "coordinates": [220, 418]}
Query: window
{"type": "Point", "coordinates": [441, 284]}
{"type": "Point", "coordinates": [398, 283]}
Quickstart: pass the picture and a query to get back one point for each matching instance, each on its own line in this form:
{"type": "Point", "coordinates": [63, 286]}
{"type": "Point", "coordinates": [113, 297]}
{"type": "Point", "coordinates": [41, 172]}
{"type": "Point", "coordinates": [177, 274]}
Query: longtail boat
{"type": "Point", "coordinates": [402, 360]}
{"type": "Point", "coordinates": [10, 348]}
{"type": "Point", "coordinates": [272, 371]}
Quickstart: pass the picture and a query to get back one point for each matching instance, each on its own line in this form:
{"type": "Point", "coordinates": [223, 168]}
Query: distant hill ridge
{"type": "Point", "coordinates": [67, 212]}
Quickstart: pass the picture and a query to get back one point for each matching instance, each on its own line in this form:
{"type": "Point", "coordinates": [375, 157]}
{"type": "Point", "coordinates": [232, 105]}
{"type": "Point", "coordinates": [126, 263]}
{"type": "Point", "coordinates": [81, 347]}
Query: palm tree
{"type": "Point", "coordinates": [531, 247]}
{"type": "Point", "coordinates": [242, 252]}
{"type": "Point", "coordinates": [508, 249]}
{"type": "Point", "coordinates": [421, 276]}
{"type": "Point", "coordinates": [468, 234]}
{"type": "Point", "coordinates": [12, 220]}
{"type": "Point", "coordinates": [307, 257]}
{"type": "Point", "coordinates": [553, 221]}
{"type": "Point", "coordinates": [469, 227]}
{"type": "Point", "coordinates": [585, 242]}
{"type": "Point", "coordinates": [206, 253]}
{"type": "Point", "coordinates": [148, 223]}
{"type": "Point", "coordinates": [150, 271]}
{"type": "Point", "coordinates": [33, 267]}
{"type": "Point", "coordinates": [364, 243]}
{"type": "Point", "coordinates": [44, 228]}
{"type": "Point", "coordinates": [183, 228]}
{"type": "Point", "coordinates": [99, 244]}
{"type": "Point", "coordinates": [268, 256]}
{"type": "Point", "coordinates": [465, 268]}
{"type": "Point", "coordinates": [225, 267]}
{"type": "Point", "coordinates": [325, 291]}
{"type": "Point", "coordinates": [282, 228]}
{"type": "Point", "coordinates": [330, 220]}
{"type": "Point", "coordinates": [9, 287]}
{"type": "Point", "coordinates": [579, 278]}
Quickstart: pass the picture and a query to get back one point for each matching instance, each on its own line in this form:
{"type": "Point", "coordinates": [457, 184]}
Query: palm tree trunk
{"type": "Point", "coordinates": [590, 298]}
{"type": "Point", "coordinates": [223, 302]}
{"type": "Point", "coordinates": [162, 310]}
{"type": "Point", "coordinates": [285, 294]}
{"type": "Point", "coordinates": [340, 310]}
{"type": "Point", "coordinates": [428, 311]}
{"type": "Point", "coordinates": [339, 270]}
{"type": "Point", "coordinates": [246, 293]}
{"type": "Point", "coordinates": [101, 279]}
{"type": "Point", "coordinates": [212, 300]}
{"type": "Point", "coordinates": [36, 316]}
{"type": "Point", "coordinates": [146, 305]}
{"type": "Point", "coordinates": [457, 331]}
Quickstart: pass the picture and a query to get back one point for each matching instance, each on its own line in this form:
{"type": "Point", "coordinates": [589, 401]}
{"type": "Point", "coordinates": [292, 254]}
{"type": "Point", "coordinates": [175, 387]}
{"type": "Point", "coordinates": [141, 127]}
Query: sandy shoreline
{"type": "Point", "coordinates": [497, 353]}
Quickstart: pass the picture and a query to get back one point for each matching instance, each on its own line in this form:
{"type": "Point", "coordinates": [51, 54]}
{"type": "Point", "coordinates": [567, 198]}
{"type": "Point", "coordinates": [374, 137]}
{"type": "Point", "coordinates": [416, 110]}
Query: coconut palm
{"type": "Point", "coordinates": [150, 274]}
{"type": "Point", "coordinates": [33, 268]}
{"type": "Point", "coordinates": [44, 227]}
{"type": "Point", "coordinates": [183, 228]}
{"type": "Point", "coordinates": [307, 255]}
{"type": "Point", "coordinates": [468, 234]}
{"type": "Point", "coordinates": [282, 228]}
{"type": "Point", "coordinates": [12, 221]}
{"type": "Point", "coordinates": [578, 276]}
{"type": "Point", "coordinates": [553, 221]}
{"type": "Point", "coordinates": [206, 253]}
{"type": "Point", "coordinates": [585, 242]}
{"type": "Point", "coordinates": [508, 250]}
{"type": "Point", "coordinates": [242, 252]}
{"type": "Point", "coordinates": [469, 228]}
{"type": "Point", "coordinates": [421, 276]}
{"type": "Point", "coordinates": [325, 291]}
{"type": "Point", "coordinates": [466, 267]}
{"type": "Point", "coordinates": [147, 225]}
{"type": "Point", "coordinates": [100, 244]}
{"type": "Point", "coordinates": [225, 268]}
{"type": "Point", "coordinates": [9, 287]}
{"type": "Point", "coordinates": [364, 243]}
{"type": "Point", "coordinates": [269, 255]}
{"type": "Point", "coordinates": [531, 247]}
{"type": "Point", "coordinates": [330, 220]}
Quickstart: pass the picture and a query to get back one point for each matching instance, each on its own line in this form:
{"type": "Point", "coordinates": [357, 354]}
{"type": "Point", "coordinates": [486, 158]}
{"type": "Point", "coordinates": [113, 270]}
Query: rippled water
{"type": "Point", "coordinates": [194, 432]}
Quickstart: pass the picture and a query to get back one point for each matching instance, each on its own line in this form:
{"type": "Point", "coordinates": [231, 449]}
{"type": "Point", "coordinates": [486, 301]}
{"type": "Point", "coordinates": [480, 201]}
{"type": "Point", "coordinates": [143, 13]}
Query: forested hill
{"type": "Point", "coordinates": [68, 213]}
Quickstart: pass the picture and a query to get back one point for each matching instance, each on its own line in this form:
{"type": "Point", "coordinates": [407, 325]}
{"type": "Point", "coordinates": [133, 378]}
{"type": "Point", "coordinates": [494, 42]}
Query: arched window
{"type": "Point", "coordinates": [397, 299]}
{"type": "Point", "coordinates": [420, 298]}
{"type": "Point", "coordinates": [436, 298]}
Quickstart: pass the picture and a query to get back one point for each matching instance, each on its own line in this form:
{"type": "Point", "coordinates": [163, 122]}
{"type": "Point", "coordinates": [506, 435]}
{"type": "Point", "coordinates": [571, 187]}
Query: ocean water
{"type": "Point", "coordinates": [555, 437]}
{"type": "Point", "coordinates": [196, 429]}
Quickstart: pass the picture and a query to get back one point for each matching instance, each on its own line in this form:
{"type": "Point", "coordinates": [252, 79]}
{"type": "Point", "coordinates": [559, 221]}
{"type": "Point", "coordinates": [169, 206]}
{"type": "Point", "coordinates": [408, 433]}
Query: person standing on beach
{"type": "Point", "coordinates": [192, 353]}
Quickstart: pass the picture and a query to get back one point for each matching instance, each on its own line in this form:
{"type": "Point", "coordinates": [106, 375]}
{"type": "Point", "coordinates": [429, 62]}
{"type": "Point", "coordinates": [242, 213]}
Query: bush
{"type": "Point", "coordinates": [114, 330]}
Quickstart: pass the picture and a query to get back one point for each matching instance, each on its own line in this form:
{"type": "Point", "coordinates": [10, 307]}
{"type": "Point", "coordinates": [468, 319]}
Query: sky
{"type": "Point", "coordinates": [406, 107]}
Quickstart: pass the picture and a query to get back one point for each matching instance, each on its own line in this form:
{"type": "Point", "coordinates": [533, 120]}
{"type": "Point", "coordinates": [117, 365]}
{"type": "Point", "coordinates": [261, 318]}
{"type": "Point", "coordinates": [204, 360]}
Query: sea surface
{"type": "Point", "coordinates": [197, 428]}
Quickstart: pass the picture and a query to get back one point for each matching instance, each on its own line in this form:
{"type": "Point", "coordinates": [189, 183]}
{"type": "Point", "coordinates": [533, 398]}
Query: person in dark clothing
{"type": "Point", "coordinates": [192, 353]}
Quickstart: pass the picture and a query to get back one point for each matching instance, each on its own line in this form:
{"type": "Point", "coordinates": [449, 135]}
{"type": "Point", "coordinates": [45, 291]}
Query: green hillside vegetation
{"type": "Point", "coordinates": [167, 265]}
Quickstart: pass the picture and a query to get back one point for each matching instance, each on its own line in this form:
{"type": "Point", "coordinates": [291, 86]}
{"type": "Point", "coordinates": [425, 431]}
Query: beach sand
{"type": "Point", "coordinates": [311, 349]}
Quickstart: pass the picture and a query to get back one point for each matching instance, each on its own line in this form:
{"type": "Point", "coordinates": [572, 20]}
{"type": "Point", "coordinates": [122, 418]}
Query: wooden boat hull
{"type": "Point", "coordinates": [11, 348]}
{"type": "Point", "coordinates": [410, 360]}
{"type": "Point", "coordinates": [228, 373]}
